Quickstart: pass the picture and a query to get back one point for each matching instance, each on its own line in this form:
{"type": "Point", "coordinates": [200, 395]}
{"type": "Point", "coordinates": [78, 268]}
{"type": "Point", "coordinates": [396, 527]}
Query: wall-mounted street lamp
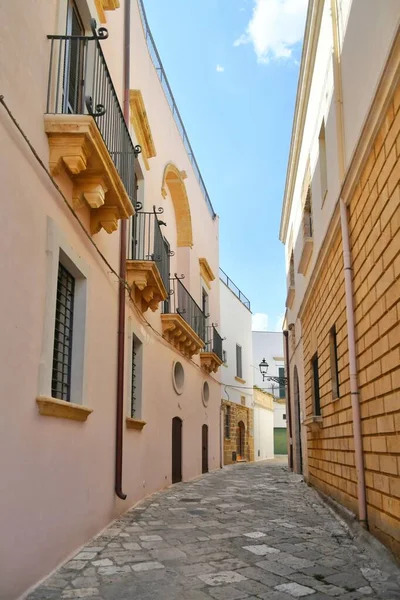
{"type": "Point", "coordinates": [264, 372]}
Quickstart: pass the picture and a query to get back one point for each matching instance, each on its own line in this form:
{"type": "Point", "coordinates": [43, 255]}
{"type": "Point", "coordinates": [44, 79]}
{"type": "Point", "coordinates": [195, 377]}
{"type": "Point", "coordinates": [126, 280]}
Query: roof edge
{"type": "Point", "coordinates": [310, 42]}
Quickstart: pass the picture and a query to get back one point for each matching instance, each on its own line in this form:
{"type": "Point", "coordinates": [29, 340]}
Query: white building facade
{"type": "Point", "coordinates": [268, 345]}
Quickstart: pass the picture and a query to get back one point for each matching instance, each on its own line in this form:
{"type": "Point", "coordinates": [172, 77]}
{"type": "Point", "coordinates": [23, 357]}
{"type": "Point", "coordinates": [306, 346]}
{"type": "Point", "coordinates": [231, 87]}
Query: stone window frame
{"type": "Point", "coordinates": [59, 250]}
{"type": "Point", "coordinates": [315, 385]}
{"type": "Point", "coordinates": [227, 422]}
{"type": "Point", "coordinates": [333, 350]}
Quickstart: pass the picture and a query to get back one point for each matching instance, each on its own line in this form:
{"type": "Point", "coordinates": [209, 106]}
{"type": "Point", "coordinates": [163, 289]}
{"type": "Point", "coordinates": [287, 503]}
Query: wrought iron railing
{"type": "Point", "coordinates": [80, 83]}
{"type": "Point", "coordinates": [229, 283]}
{"type": "Point", "coordinates": [155, 57]}
{"type": "Point", "coordinates": [213, 342]}
{"type": "Point", "coordinates": [148, 243]}
{"type": "Point", "coordinates": [181, 302]}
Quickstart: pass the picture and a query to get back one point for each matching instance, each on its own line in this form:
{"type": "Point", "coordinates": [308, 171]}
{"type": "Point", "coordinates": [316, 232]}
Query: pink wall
{"type": "Point", "coordinates": [57, 485]}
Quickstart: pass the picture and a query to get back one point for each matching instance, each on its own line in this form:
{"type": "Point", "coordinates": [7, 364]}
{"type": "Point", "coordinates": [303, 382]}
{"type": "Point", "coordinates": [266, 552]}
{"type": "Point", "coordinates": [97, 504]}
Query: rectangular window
{"type": "Point", "coordinates": [284, 416]}
{"type": "Point", "coordinates": [322, 162]}
{"type": "Point", "coordinates": [239, 372]}
{"type": "Point", "coordinates": [282, 387]}
{"type": "Point", "coordinates": [62, 353]}
{"type": "Point", "coordinates": [315, 385]}
{"type": "Point", "coordinates": [334, 363]}
{"type": "Point", "coordinates": [224, 356]}
{"type": "Point", "coordinates": [307, 216]}
{"type": "Point", "coordinates": [228, 422]}
{"type": "Point", "coordinates": [135, 399]}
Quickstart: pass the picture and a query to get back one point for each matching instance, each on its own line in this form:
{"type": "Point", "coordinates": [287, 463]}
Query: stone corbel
{"type": "Point", "coordinates": [73, 154]}
{"type": "Point", "coordinates": [105, 217]}
{"type": "Point", "coordinates": [92, 190]}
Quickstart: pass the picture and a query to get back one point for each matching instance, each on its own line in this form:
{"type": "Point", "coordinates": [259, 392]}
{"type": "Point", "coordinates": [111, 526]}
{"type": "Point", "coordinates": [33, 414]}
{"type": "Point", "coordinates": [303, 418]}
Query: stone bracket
{"type": "Point", "coordinates": [146, 284]}
{"type": "Point", "coordinates": [181, 335]}
{"type": "Point", "coordinates": [76, 147]}
{"type": "Point", "coordinates": [210, 362]}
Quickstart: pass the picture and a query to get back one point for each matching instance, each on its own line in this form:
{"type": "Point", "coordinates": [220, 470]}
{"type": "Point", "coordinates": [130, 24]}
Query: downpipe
{"type": "Point", "coordinates": [121, 291]}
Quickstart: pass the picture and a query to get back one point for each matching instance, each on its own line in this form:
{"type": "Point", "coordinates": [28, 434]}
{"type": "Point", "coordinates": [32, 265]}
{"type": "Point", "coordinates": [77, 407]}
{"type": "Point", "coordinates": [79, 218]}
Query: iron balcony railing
{"type": "Point", "coordinates": [181, 302]}
{"type": "Point", "coordinates": [229, 283]}
{"type": "Point", "coordinates": [155, 57]}
{"type": "Point", "coordinates": [214, 342]}
{"type": "Point", "coordinates": [148, 243]}
{"type": "Point", "coordinates": [80, 83]}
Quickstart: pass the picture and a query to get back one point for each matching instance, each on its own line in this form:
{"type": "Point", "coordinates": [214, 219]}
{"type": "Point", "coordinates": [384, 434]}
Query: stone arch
{"type": "Point", "coordinates": [173, 181]}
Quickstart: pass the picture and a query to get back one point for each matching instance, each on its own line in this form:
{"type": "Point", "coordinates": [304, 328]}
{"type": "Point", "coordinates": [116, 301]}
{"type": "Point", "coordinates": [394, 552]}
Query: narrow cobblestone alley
{"type": "Point", "coordinates": [248, 531]}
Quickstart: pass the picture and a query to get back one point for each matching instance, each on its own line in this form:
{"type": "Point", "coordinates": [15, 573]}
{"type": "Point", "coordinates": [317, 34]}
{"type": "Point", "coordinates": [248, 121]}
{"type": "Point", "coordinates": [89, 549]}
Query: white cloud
{"type": "Point", "coordinates": [220, 69]}
{"type": "Point", "coordinates": [275, 27]}
{"type": "Point", "coordinates": [259, 322]}
{"type": "Point", "coordinates": [279, 323]}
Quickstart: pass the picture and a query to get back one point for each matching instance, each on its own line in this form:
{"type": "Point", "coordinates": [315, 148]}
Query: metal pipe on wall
{"type": "Point", "coordinates": [122, 274]}
{"type": "Point", "coordinates": [348, 275]}
{"type": "Point", "coordinates": [288, 399]}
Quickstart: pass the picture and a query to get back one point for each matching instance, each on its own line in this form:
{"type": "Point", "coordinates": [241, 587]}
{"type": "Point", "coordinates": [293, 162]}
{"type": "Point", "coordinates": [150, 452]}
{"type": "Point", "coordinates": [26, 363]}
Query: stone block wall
{"type": "Point", "coordinates": [375, 242]}
{"type": "Point", "coordinates": [374, 222]}
{"type": "Point", "coordinates": [238, 413]}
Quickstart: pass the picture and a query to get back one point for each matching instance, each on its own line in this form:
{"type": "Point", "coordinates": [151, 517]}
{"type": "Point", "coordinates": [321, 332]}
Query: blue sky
{"type": "Point", "coordinates": [233, 68]}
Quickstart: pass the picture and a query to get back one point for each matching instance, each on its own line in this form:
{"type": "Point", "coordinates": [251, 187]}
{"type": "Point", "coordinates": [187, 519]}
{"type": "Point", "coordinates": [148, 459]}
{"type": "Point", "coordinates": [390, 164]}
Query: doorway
{"type": "Point", "coordinates": [204, 449]}
{"type": "Point", "coordinates": [176, 450]}
{"type": "Point", "coordinates": [297, 409]}
{"type": "Point", "coordinates": [240, 440]}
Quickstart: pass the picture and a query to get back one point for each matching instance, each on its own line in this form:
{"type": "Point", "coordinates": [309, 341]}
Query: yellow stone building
{"type": "Point", "coordinates": [341, 229]}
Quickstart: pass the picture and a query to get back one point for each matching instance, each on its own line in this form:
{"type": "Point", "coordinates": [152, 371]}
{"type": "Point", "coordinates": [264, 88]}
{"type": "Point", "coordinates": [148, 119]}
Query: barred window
{"type": "Point", "coordinates": [282, 387]}
{"type": "Point", "coordinates": [228, 422]}
{"type": "Point", "coordinates": [239, 372]}
{"type": "Point", "coordinates": [315, 385]}
{"type": "Point", "coordinates": [62, 353]}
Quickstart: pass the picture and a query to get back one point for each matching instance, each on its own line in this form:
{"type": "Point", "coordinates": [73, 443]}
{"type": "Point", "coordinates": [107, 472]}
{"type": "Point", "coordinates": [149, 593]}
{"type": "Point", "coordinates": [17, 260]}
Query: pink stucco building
{"type": "Point", "coordinates": [109, 383]}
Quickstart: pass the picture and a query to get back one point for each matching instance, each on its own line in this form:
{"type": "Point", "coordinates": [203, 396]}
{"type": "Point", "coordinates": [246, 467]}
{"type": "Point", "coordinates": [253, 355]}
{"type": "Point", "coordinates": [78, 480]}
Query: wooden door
{"type": "Point", "coordinates": [204, 449]}
{"type": "Point", "coordinates": [176, 450]}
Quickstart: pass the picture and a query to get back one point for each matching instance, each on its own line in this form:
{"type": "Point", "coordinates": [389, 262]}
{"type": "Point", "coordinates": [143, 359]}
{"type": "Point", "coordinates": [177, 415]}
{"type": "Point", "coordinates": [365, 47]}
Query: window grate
{"type": "Point", "coordinates": [133, 383]}
{"type": "Point", "coordinates": [239, 371]}
{"type": "Point", "coordinates": [62, 354]}
{"type": "Point", "coordinates": [228, 422]}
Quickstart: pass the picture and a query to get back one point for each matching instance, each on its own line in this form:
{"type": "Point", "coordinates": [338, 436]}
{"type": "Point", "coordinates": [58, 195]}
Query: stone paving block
{"type": "Point", "coordinates": [295, 589]}
{"type": "Point", "coordinates": [227, 592]}
{"type": "Point", "coordinates": [221, 577]}
{"type": "Point", "coordinates": [147, 566]}
{"type": "Point", "coordinates": [261, 549]}
{"type": "Point", "coordinates": [82, 593]}
{"type": "Point", "coordinates": [274, 567]}
{"type": "Point", "coordinates": [261, 504]}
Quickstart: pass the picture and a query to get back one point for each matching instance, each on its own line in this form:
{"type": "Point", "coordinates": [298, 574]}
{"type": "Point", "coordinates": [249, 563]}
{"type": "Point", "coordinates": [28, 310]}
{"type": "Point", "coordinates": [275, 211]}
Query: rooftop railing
{"type": "Point", "coordinates": [181, 302]}
{"type": "Point", "coordinates": [155, 57]}
{"type": "Point", "coordinates": [80, 83]}
{"type": "Point", "coordinates": [229, 283]}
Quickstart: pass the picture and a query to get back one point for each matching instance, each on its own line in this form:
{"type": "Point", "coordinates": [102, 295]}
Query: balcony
{"type": "Point", "coordinates": [308, 242]}
{"type": "Point", "coordinates": [211, 357]}
{"type": "Point", "coordinates": [147, 267]}
{"type": "Point", "coordinates": [183, 321]}
{"type": "Point", "coordinates": [88, 137]}
{"type": "Point", "coordinates": [229, 283]}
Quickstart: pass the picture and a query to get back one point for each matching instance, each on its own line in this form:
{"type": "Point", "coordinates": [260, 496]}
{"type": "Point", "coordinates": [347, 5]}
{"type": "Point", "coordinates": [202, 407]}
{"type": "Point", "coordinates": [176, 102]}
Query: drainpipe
{"type": "Point", "coordinates": [348, 278]}
{"type": "Point", "coordinates": [289, 411]}
{"type": "Point", "coordinates": [122, 274]}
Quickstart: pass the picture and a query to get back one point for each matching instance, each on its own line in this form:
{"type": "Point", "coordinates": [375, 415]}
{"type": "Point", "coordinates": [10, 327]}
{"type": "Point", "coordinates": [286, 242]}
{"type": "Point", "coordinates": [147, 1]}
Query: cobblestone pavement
{"type": "Point", "coordinates": [248, 531]}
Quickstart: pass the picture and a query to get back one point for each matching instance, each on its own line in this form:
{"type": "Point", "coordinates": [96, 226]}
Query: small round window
{"type": "Point", "coordinates": [178, 377]}
{"type": "Point", "coordinates": [205, 393]}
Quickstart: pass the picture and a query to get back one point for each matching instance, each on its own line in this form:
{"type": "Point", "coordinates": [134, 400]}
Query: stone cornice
{"type": "Point", "coordinates": [311, 36]}
{"type": "Point", "coordinates": [206, 272]}
{"type": "Point", "coordinates": [141, 126]}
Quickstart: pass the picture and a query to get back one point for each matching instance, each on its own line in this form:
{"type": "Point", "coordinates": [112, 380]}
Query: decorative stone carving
{"type": "Point", "coordinates": [181, 335]}
{"type": "Point", "coordinates": [76, 146]}
{"type": "Point", "coordinates": [210, 362]}
{"type": "Point", "coordinates": [146, 284]}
